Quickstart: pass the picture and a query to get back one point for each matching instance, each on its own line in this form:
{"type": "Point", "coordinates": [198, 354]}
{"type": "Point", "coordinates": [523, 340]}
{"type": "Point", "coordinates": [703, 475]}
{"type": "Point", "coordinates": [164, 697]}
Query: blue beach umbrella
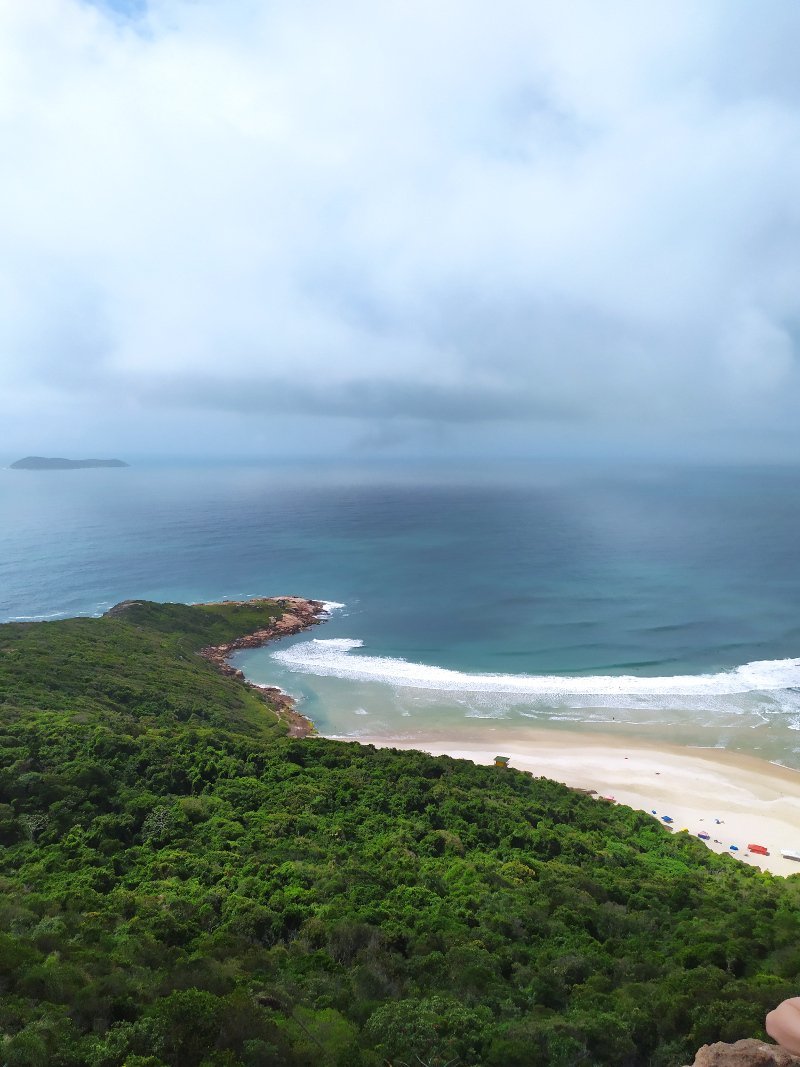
{"type": "Point", "coordinates": [666, 818]}
{"type": "Point", "coordinates": [734, 848]}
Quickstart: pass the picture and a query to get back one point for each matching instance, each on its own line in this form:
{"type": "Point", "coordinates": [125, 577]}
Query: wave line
{"type": "Point", "coordinates": [334, 658]}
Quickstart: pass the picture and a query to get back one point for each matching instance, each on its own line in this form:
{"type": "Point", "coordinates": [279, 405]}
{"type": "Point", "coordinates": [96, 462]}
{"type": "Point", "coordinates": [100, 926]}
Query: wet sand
{"type": "Point", "coordinates": [755, 801]}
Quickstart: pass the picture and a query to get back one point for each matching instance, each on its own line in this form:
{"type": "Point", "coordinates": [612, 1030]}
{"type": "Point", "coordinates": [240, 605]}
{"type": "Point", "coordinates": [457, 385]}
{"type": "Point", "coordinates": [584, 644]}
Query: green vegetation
{"type": "Point", "coordinates": [185, 886]}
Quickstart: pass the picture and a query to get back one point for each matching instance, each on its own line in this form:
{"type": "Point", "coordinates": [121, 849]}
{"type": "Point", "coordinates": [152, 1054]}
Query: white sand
{"type": "Point", "coordinates": [756, 801]}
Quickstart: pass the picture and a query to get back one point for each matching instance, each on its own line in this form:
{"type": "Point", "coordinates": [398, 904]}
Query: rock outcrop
{"type": "Point", "coordinates": [746, 1053]}
{"type": "Point", "coordinates": [298, 616]}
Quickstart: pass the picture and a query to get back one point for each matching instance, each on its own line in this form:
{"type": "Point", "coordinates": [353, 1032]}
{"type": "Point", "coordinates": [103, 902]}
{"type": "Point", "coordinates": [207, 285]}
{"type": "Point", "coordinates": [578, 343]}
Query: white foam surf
{"type": "Point", "coordinates": [334, 658]}
{"type": "Point", "coordinates": [40, 618]}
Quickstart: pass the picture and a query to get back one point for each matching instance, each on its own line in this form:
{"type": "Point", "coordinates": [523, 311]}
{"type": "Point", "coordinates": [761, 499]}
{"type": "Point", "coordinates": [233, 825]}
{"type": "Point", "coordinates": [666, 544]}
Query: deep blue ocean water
{"type": "Point", "coordinates": [587, 571]}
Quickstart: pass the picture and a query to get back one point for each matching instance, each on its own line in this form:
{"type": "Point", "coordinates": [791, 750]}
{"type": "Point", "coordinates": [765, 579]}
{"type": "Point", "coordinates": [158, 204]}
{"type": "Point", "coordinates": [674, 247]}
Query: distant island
{"type": "Point", "coordinates": [40, 463]}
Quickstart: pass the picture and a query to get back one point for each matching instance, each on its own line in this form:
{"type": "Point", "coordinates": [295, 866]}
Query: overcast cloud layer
{"type": "Point", "coordinates": [461, 226]}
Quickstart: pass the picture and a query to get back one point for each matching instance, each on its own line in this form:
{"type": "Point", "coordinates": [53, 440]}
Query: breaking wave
{"type": "Point", "coordinates": [334, 658]}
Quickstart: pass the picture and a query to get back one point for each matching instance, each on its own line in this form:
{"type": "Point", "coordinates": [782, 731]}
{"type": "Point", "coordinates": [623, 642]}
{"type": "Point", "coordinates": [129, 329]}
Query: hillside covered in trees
{"type": "Point", "coordinates": [183, 885]}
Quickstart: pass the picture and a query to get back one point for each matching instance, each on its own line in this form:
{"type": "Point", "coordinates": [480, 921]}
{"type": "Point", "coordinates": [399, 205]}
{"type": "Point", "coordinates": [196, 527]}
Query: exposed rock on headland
{"type": "Point", "coordinates": [299, 615]}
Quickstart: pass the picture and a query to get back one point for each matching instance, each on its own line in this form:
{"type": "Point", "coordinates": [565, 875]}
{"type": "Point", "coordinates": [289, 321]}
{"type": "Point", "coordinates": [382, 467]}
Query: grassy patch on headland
{"type": "Point", "coordinates": [136, 668]}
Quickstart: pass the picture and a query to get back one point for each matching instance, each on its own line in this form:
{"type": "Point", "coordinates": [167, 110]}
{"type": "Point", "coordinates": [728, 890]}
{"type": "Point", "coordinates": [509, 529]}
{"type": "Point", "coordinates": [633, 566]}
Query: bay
{"type": "Point", "coordinates": [572, 571]}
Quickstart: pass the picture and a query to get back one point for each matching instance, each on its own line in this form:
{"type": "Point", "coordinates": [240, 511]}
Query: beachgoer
{"type": "Point", "coordinates": [783, 1024]}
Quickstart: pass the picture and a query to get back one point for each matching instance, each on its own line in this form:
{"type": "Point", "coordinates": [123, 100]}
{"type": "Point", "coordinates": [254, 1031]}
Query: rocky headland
{"type": "Point", "coordinates": [299, 615]}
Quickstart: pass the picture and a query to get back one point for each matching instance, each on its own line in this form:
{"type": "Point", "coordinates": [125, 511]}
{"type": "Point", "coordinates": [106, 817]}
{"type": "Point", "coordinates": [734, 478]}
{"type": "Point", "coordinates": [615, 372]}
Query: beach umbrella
{"type": "Point", "coordinates": [734, 848]}
{"type": "Point", "coordinates": [666, 818]}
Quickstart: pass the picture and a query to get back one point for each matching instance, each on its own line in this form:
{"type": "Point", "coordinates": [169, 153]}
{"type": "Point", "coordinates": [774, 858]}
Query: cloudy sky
{"type": "Point", "coordinates": [517, 227]}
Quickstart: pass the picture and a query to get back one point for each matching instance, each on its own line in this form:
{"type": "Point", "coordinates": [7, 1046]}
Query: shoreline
{"type": "Point", "coordinates": [736, 799]}
{"type": "Point", "coordinates": [301, 615]}
{"type": "Point", "coordinates": [757, 802]}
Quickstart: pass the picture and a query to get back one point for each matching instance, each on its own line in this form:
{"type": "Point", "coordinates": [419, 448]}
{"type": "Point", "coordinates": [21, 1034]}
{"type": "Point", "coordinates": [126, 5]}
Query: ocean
{"type": "Point", "coordinates": [641, 599]}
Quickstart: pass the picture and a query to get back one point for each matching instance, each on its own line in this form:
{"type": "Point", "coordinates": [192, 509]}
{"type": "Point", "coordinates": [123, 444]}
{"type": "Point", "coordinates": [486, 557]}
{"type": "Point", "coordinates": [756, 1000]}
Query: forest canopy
{"type": "Point", "coordinates": [186, 886]}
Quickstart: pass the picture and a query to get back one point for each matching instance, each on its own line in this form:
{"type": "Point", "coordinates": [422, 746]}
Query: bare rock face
{"type": "Point", "coordinates": [298, 615]}
{"type": "Point", "coordinates": [745, 1053]}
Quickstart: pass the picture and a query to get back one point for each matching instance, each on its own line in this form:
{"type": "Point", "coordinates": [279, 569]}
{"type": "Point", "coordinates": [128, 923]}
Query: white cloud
{"type": "Point", "coordinates": [448, 213]}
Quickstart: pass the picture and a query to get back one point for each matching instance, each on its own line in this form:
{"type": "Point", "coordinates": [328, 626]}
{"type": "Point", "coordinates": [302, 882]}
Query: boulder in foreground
{"type": "Point", "coordinates": [745, 1053]}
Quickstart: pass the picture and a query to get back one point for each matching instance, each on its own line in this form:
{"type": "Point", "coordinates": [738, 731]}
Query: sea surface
{"type": "Point", "coordinates": [650, 600]}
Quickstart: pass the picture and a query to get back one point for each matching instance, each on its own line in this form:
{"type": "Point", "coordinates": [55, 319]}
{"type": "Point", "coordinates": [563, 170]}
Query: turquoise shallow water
{"type": "Point", "coordinates": [581, 572]}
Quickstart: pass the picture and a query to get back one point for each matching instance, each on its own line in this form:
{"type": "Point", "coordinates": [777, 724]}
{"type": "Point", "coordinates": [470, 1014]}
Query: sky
{"type": "Point", "coordinates": [296, 227]}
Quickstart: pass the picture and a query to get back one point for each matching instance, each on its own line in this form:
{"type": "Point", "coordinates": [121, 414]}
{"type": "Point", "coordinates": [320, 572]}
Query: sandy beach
{"type": "Point", "coordinates": [755, 801]}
